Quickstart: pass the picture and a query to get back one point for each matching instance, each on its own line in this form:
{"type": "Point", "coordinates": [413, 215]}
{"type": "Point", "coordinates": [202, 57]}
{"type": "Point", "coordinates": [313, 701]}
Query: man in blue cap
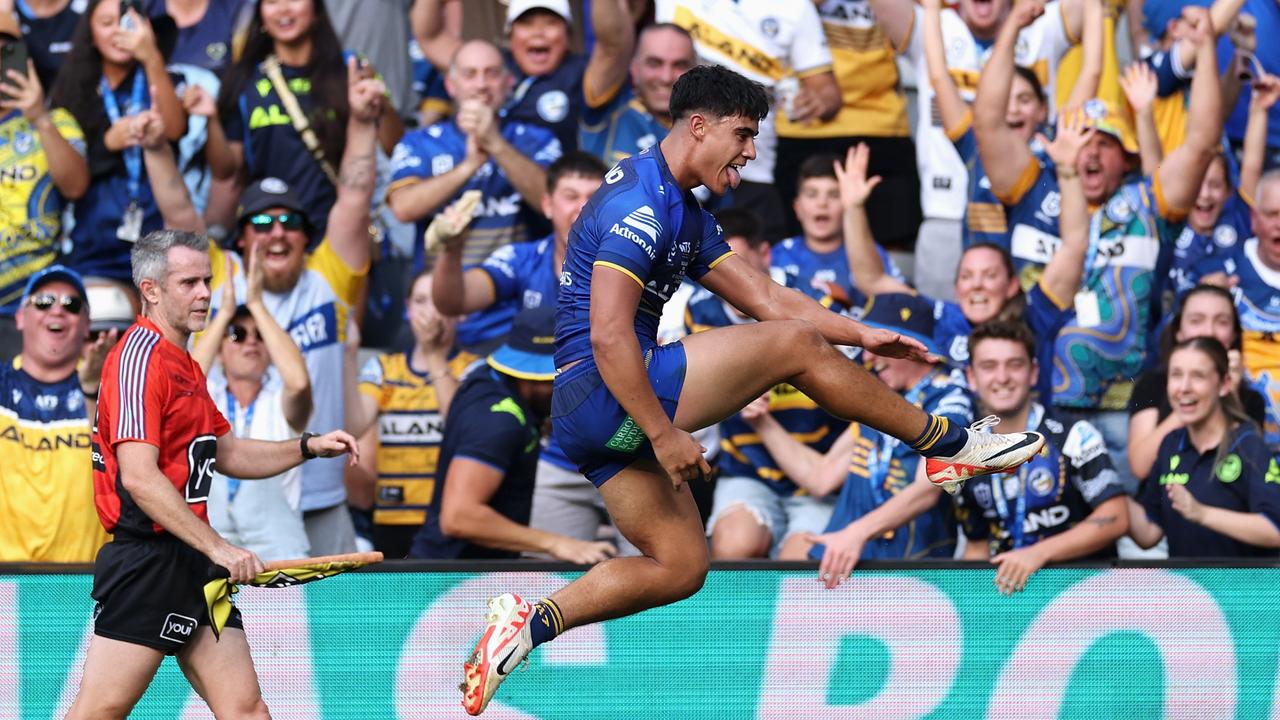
{"type": "Point", "coordinates": [45, 407]}
{"type": "Point", "coordinates": [867, 467]}
{"type": "Point", "coordinates": [489, 457]}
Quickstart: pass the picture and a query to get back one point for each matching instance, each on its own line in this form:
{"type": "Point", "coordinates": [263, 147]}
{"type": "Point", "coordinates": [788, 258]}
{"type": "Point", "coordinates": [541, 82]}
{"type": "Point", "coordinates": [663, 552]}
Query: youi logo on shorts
{"type": "Point", "coordinates": [177, 628]}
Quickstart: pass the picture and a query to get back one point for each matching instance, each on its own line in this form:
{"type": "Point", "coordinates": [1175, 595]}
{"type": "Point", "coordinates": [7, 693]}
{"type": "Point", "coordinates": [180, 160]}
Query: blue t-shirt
{"type": "Point", "coordinates": [826, 272]}
{"type": "Point", "coordinates": [883, 466]}
{"type": "Point", "coordinates": [1191, 250]}
{"type": "Point", "coordinates": [553, 101]}
{"type": "Point", "coordinates": [1049, 495]}
{"type": "Point", "coordinates": [503, 216]}
{"type": "Point", "coordinates": [642, 224]}
{"type": "Point", "coordinates": [49, 39]}
{"type": "Point", "coordinates": [95, 249]}
{"type": "Point", "coordinates": [984, 215]}
{"type": "Point", "coordinates": [620, 128]}
{"type": "Point", "coordinates": [207, 43]}
{"type": "Point", "coordinates": [1247, 481]}
{"type": "Point", "coordinates": [1267, 15]}
{"type": "Point", "coordinates": [490, 424]}
{"type": "Point", "coordinates": [743, 454]}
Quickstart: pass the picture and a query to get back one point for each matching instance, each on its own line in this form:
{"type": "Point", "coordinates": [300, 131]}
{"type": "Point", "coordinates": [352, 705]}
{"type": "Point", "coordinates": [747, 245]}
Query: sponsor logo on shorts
{"type": "Point", "coordinates": [177, 628]}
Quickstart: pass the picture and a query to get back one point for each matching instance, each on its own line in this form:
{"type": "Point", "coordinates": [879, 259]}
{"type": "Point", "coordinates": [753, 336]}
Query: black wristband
{"type": "Point", "coordinates": [302, 441]}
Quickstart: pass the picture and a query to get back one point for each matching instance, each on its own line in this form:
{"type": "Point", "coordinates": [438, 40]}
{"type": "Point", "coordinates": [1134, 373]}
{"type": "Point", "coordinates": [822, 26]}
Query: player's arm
{"type": "Point", "coordinates": [866, 268]}
{"type": "Point", "coordinates": [820, 474]}
{"type": "Point", "coordinates": [159, 499]}
{"type": "Point", "coordinates": [248, 459]}
{"type": "Point", "coordinates": [615, 300]}
{"type": "Point", "coordinates": [1180, 174]}
{"type": "Point", "coordinates": [437, 28]}
{"type": "Point", "coordinates": [615, 42]}
{"type": "Point", "coordinates": [348, 228]}
{"type": "Point", "coordinates": [1006, 158]}
{"type": "Point", "coordinates": [844, 546]}
{"type": "Point", "coordinates": [465, 514]}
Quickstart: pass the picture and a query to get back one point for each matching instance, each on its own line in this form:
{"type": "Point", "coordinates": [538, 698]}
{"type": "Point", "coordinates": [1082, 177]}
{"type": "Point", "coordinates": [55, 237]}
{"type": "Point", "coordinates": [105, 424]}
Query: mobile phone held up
{"type": "Point", "coordinates": [13, 56]}
{"type": "Point", "coordinates": [126, 21]}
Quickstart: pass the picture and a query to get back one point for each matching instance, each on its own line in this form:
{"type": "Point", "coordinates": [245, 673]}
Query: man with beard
{"type": "Point", "coordinates": [489, 457]}
{"type": "Point", "coordinates": [310, 294]}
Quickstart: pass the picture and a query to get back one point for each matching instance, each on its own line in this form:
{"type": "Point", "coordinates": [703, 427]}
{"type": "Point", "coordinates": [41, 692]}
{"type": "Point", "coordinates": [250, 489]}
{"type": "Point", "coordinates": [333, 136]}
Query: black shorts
{"type": "Point", "coordinates": [151, 592]}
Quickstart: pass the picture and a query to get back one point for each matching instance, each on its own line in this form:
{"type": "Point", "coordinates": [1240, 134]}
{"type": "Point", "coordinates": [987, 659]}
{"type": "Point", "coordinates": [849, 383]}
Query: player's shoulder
{"type": "Point", "coordinates": [632, 184]}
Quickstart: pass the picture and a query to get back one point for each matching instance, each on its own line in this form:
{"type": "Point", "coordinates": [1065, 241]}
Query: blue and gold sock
{"type": "Point", "coordinates": [940, 438]}
{"type": "Point", "coordinates": [547, 621]}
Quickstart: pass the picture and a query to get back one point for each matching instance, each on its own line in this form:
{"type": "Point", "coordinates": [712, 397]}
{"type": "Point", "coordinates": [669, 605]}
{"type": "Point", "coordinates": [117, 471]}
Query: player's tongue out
{"type": "Point", "coordinates": [734, 177]}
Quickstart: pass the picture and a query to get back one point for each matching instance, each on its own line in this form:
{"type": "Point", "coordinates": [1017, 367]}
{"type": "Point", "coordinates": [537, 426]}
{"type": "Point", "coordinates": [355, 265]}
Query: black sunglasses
{"type": "Point", "coordinates": [262, 222]}
{"type": "Point", "coordinates": [239, 333]}
{"type": "Point", "coordinates": [44, 302]}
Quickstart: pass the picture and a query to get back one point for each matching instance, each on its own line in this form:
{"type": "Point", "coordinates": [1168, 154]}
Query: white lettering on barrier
{"type": "Point", "coordinates": [915, 620]}
{"type": "Point", "coordinates": [1199, 656]}
{"type": "Point", "coordinates": [427, 678]}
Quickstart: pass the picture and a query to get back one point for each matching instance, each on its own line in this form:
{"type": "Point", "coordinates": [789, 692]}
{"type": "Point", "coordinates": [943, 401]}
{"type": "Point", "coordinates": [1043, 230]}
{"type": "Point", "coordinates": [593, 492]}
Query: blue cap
{"type": "Point", "coordinates": [530, 349]}
{"type": "Point", "coordinates": [910, 315]}
{"type": "Point", "coordinates": [48, 274]}
{"type": "Point", "coordinates": [1156, 14]}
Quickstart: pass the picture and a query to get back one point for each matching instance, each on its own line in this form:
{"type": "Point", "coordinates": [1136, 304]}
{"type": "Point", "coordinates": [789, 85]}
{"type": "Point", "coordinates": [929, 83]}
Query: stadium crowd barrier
{"type": "Point", "coordinates": [759, 641]}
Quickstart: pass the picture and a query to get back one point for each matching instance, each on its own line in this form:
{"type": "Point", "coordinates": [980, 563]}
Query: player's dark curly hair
{"type": "Point", "coordinates": [717, 91]}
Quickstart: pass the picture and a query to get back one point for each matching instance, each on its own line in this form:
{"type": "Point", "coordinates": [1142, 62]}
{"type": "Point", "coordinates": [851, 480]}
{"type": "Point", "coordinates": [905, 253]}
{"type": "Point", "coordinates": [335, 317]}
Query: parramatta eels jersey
{"type": "Point", "coordinates": [643, 225]}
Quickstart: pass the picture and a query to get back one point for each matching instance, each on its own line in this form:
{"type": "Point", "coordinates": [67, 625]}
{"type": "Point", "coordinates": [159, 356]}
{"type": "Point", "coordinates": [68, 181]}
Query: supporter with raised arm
{"type": "Point", "coordinates": [967, 35]}
{"type": "Point", "coordinates": [985, 285]}
{"type": "Point", "coordinates": [1132, 227]}
{"type": "Point", "coordinates": [1139, 85]}
{"type": "Point", "coordinates": [41, 172]}
{"type": "Point", "coordinates": [1066, 504]}
{"type": "Point", "coordinates": [479, 148]}
{"type": "Point", "coordinates": [310, 294]}
{"type": "Point", "coordinates": [47, 408]}
{"type": "Point", "coordinates": [1205, 311]}
{"type": "Point", "coordinates": [396, 406]}
{"type": "Point", "coordinates": [488, 458]}
{"type": "Point", "coordinates": [261, 386]}
{"type": "Point", "coordinates": [114, 73]}
{"type": "Point", "coordinates": [555, 86]}
{"type": "Point", "coordinates": [1213, 496]}
{"type": "Point", "coordinates": [253, 135]}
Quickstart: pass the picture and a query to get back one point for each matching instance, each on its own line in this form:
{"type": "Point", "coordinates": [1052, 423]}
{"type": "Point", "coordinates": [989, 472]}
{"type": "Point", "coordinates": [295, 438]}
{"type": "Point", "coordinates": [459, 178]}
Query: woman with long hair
{"type": "Point", "coordinates": [1205, 311]}
{"type": "Point", "coordinates": [251, 132]}
{"type": "Point", "coordinates": [1215, 488]}
{"type": "Point", "coordinates": [113, 75]}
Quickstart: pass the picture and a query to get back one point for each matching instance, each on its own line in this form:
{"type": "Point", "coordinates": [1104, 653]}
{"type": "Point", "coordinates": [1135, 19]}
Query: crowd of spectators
{"type": "Point", "coordinates": [1075, 204]}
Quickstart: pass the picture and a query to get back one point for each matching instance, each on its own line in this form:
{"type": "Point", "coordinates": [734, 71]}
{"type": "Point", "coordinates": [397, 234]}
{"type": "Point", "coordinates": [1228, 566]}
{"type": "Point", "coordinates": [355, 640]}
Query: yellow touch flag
{"type": "Point", "coordinates": [278, 574]}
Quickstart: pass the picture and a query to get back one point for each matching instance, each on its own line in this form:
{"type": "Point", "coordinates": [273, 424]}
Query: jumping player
{"type": "Point", "coordinates": [156, 441]}
{"type": "Point", "coordinates": [624, 407]}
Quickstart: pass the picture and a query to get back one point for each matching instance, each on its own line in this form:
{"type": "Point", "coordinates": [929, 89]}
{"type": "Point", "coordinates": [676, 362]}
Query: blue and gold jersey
{"type": "Point", "coordinates": [1257, 295]}
{"type": "Point", "coordinates": [825, 272]}
{"type": "Point", "coordinates": [1048, 495]}
{"type": "Point", "coordinates": [30, 205]}
{"type": "Point", "coordinates": [883, 466]}
{"type": "Point", "coordinates": [743, 454]}
{"type": "Point", "coordinates": [46, 488]}
{"type": "Point", "coordinates": [643, 225]}
{"type": "Point", "coordinates": [621, 128]}
{"type": "Point", "coordinates": [1192, 250]}
{"type": "Point", "coordinates": [984, 217]}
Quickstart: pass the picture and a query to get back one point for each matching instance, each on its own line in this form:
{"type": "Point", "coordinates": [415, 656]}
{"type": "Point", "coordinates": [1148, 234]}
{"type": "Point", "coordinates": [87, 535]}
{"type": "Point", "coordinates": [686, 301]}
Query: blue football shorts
{"type": "Point", "coordinates": [593, 429]}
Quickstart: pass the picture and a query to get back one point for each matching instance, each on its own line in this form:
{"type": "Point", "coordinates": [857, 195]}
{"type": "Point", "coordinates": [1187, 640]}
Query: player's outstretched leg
{"type": "Point", "coordinates": [728, 367]}
{"type": "Point", "coordinates": [661, 520]}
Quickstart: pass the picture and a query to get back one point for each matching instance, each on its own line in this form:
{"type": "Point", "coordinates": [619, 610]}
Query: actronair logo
{"type": "Point", "coordinates": [643, 219]}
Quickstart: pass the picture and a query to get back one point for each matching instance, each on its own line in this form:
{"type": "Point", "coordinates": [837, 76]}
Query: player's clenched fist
{"type": "Point", "coordinates": [242, 564]}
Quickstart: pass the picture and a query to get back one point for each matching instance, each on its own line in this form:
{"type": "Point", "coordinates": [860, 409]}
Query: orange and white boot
{"type": "Point", "coordinates": [983, 453]}
{"type": "Point", "coordinates": [503, 646]}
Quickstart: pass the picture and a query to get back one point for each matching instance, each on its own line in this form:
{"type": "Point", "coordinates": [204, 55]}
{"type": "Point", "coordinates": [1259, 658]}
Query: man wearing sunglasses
{"type": "Point", "coordinates": [47, 483]}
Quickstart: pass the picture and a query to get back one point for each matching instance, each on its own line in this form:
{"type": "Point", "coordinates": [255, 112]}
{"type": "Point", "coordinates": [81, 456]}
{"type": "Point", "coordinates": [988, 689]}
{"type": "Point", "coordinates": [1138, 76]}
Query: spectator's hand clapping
{"type": "Point", "coordinates": [1266, 90]}
{"type": "Point", "coordinates": [1015, 568]}
{"type": "Point", "coordinates": [581, 552]}
{"type": "Point", "coordinates": [1140, 86]}
{"type": "Point", "coordinates": [1025, 12]}
{"type": "Point", "coordinates": [365, 95]}
{"type": "Point", "coordinates": [24, 93]}
{"type": "Point", "coordinates": [199, 102]}
{"type": "Point", "coordinates": [333, 444]}
{"type": "Point", "coordinates": [1073, 134]}
{"type": "Point", "coordinates": [478, 121]}
{"type": "Point", "coordinates": [138, 39]}
{"type": "Point", "coordinates": [855, 186]}
{"type": "Point", "coordinates": [435, 332]}
{"type": "Point", "coordinates": [254, 274]}
{"type": "Point", "coordinates": [1185, 503]}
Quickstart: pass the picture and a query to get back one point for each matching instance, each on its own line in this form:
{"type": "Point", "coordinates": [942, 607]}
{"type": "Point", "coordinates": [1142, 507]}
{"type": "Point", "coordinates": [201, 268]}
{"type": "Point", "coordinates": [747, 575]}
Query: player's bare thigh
{"type": "Point", "coordinates": [659, 519]}
{"type": "Point", "coordinates": [728, 367]}
{"type": "Point", "coordinates": [116, 674]}
{"type": "Point", "coordinates": [221, 671]}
